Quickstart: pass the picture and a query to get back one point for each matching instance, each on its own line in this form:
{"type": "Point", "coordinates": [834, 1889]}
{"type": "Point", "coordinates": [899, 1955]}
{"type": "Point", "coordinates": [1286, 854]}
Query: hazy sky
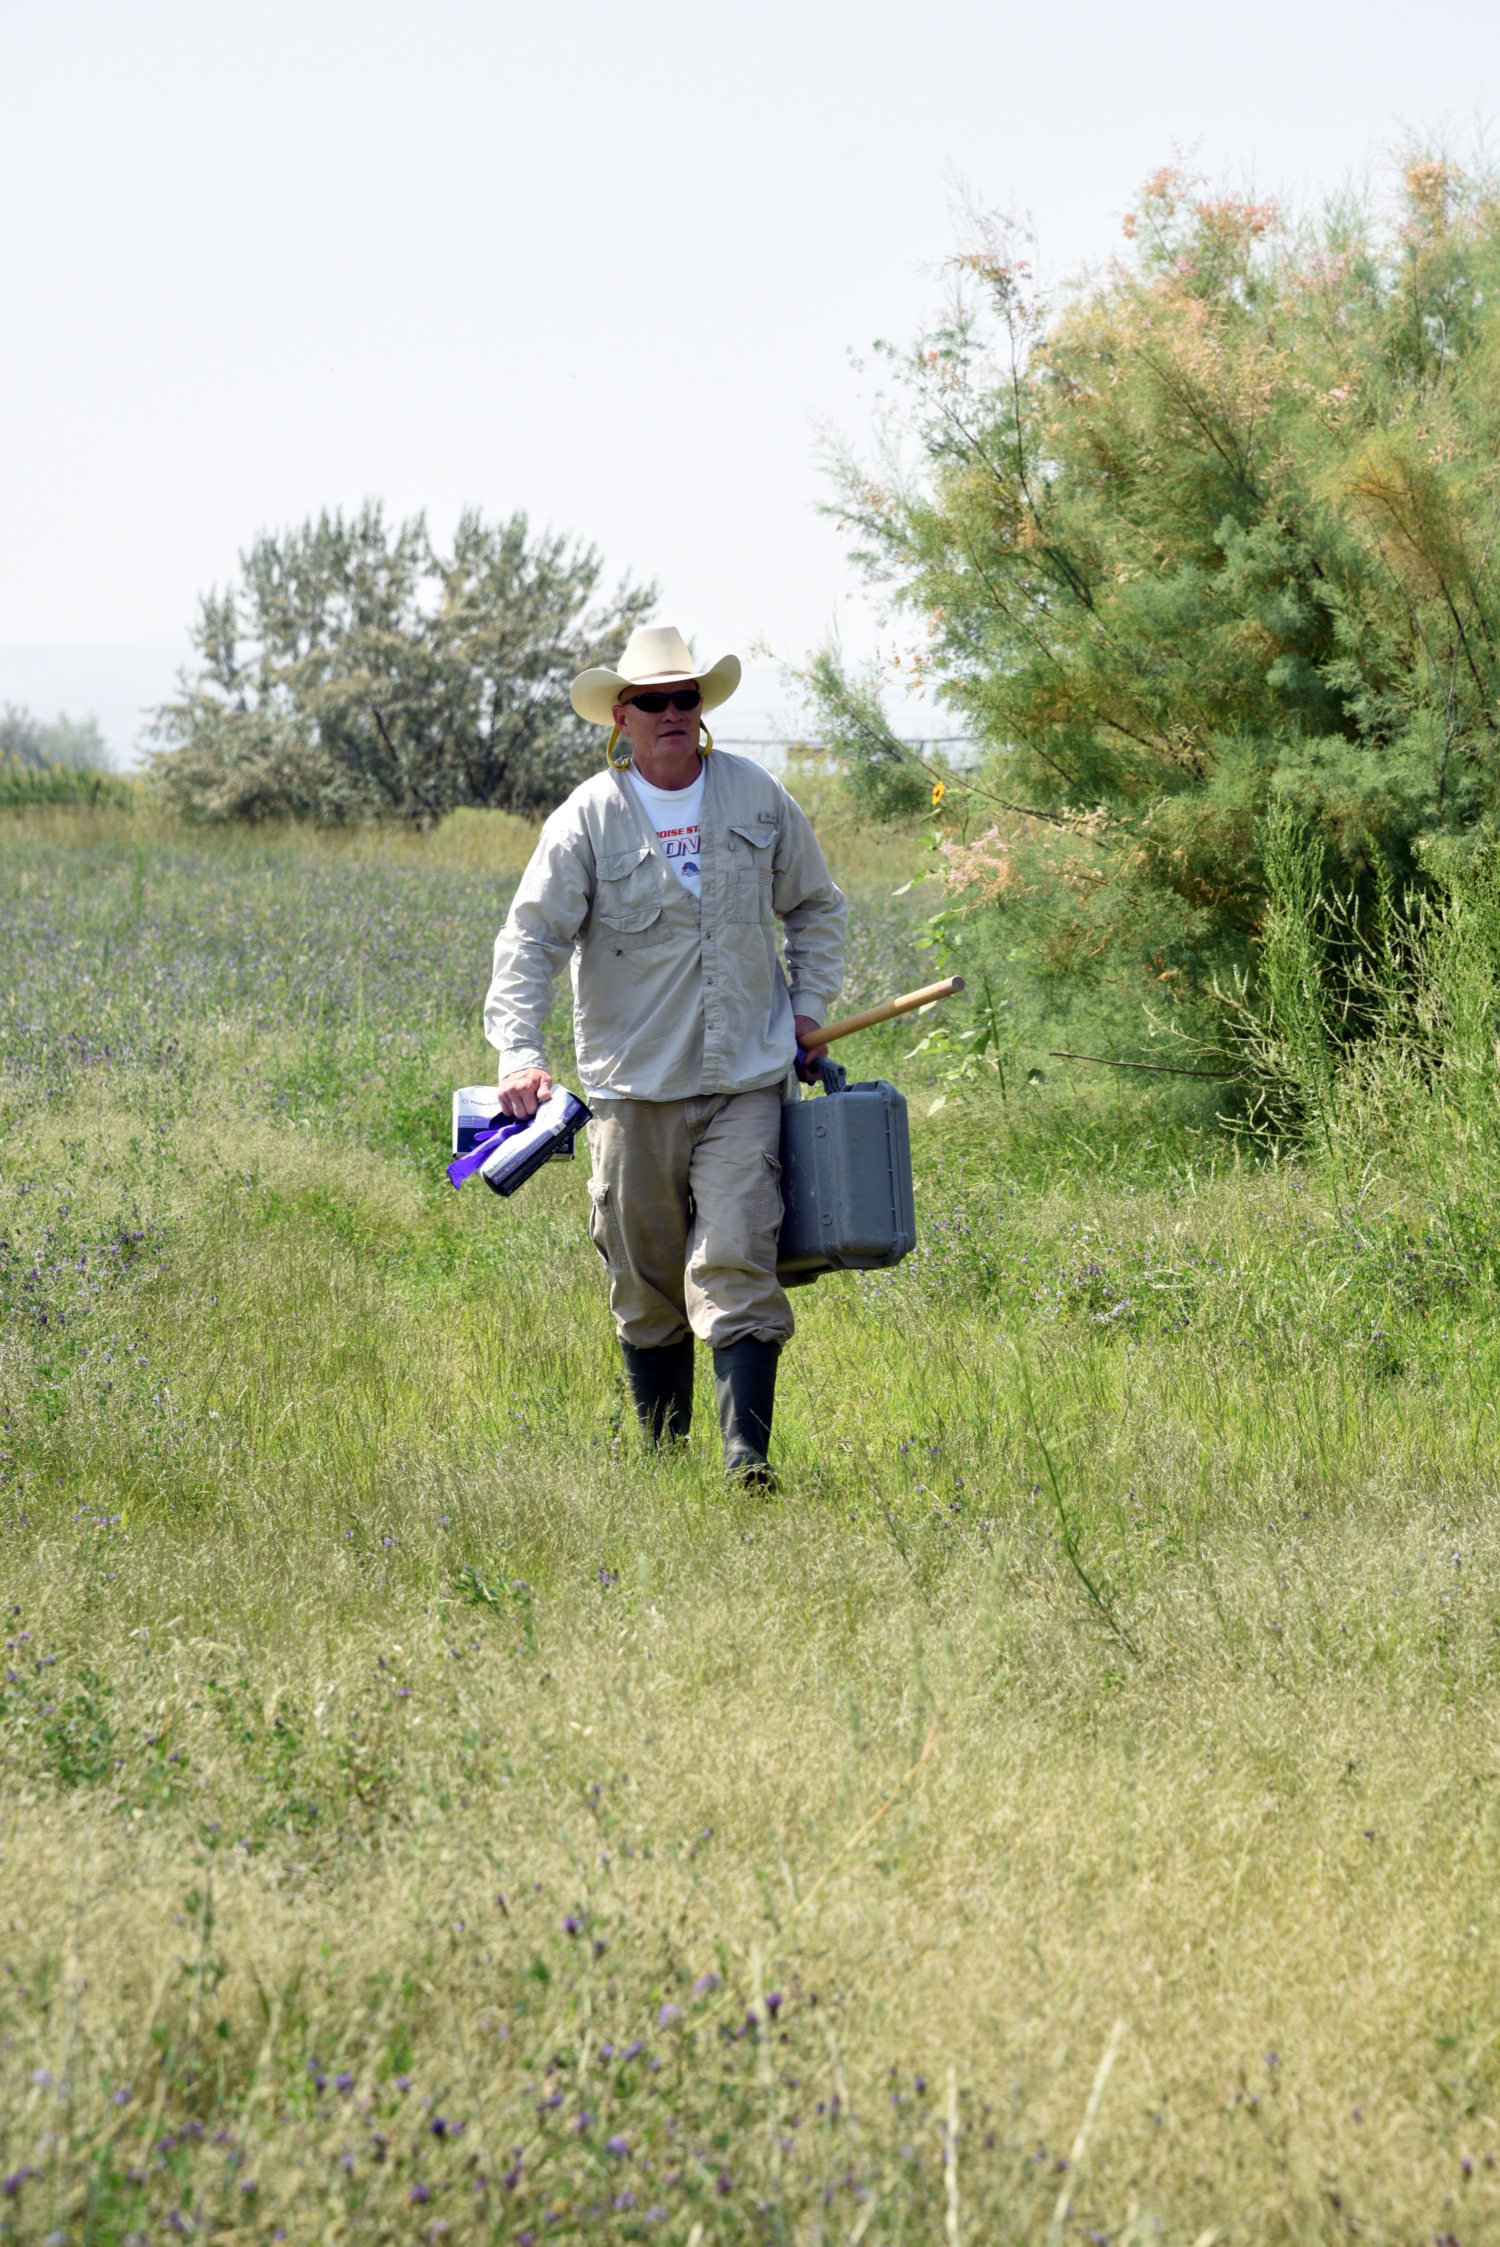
{"type": "Point", "coordinates": [607, 263]}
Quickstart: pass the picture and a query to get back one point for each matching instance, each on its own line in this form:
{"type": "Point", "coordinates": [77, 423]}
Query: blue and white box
{"type": "Point", "coordinates": [506, 1150]}
{"type": "Point", "coordinates": [476, 1113]}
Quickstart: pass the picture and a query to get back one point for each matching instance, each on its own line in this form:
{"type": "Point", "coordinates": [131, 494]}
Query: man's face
{"type": "Point", "coordinates": [667, 731]}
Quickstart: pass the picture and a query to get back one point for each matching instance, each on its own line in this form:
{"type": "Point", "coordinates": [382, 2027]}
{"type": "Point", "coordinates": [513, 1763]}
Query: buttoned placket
{"type": "Point", "coordinates": [715, 1071]}
{"type": "Point", "coordinates": [711, 860]}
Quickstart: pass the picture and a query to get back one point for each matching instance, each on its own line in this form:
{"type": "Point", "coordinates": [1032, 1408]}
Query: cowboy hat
{"type": "Point", "coordinates": [656, 655]}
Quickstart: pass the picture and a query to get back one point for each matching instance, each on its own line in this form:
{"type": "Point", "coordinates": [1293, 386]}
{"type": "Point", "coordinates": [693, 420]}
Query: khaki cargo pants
{"type": "Point", "coordinates": [687, 1212]}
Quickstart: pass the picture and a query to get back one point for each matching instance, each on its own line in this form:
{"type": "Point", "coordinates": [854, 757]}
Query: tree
{"type": "Point", "coordinates": [357, 674]}
{"type": "Point", "coordinates": [1218, 531]}
{"type": "Point", "coordinates": [68, 744]}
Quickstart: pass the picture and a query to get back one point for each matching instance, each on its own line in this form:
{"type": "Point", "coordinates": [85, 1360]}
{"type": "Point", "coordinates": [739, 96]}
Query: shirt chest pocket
{"type": "Point", "coordinates": [628, 898]}
{"type": "Point", "coordinates": [752, 862]}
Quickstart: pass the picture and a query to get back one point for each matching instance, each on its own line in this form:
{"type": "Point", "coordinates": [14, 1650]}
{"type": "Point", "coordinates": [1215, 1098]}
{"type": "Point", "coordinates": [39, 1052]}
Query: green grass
{"type": "Point", "coordinates": [64, 785]}
{"type": "Point", "coordinates": [389, 1742]}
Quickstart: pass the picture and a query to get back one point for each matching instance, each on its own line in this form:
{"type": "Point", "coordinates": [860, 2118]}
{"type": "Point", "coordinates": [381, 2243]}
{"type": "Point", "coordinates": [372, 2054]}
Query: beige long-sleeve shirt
{"type": "Point", "coordinates": [673, 996]}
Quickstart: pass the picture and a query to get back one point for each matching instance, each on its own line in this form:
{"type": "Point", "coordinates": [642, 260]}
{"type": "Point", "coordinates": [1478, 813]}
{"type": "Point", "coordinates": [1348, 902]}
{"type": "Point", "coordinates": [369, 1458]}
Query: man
{"type": "Point", "coordinates": [663, 878]}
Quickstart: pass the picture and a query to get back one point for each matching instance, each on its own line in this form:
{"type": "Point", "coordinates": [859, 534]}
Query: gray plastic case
{"type": "Point", "coordinates": [845, 1184]}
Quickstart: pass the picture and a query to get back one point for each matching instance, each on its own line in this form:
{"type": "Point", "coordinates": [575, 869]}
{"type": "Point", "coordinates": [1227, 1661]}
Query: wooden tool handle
{"type": "Point", "coordinates": [889, 1008]}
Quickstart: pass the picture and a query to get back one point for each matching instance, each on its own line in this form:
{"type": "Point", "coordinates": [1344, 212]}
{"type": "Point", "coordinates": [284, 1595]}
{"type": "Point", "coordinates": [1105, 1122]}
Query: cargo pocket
{"type": "Point", "coordinates": [604, 1227]}
{"type": "Point", "coordinates": [769, 1205]}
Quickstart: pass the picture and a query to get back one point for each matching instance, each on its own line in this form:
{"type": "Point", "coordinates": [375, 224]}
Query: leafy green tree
{"type": "Point", "coordinates": [68, 744]}
{"type": "Point", "coordinates": [355, 673]}
{"type": "Point", "coordinates": [1216, 532]}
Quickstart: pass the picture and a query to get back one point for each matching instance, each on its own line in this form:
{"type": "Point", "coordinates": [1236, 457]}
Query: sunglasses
{"type": "Point", "coordinates": [681, 698]}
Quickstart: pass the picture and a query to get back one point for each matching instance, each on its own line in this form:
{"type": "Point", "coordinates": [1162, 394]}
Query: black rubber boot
{"type": "Point", "coordinates": [745, 1375]}
{"type": "Point", "coordinates": [661, 1388]}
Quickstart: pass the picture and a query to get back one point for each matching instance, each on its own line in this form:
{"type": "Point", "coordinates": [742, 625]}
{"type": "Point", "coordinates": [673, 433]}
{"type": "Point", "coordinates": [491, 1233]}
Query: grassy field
{"type": "Point", "coordinates": [1069, 1810]}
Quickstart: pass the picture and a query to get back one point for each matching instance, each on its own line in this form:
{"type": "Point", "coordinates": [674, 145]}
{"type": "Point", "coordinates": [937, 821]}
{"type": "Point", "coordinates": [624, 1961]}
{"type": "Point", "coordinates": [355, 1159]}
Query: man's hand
{"type": "Point", "coordinates": [807, 1037]}
{"type": "Point", "coordinates": [522, 1094]}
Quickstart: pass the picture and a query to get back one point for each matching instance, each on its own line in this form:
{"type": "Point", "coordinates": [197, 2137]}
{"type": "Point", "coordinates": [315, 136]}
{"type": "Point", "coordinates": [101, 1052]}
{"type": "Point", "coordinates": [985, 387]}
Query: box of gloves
{"type": "Point", "coordinates": [476, 1113]}
{"type": "Point", "coordinates": [506, 1150]}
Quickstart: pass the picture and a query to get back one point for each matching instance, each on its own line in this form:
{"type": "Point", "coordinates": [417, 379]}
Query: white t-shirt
{"type": "Point", "coordinates": [675, 814]}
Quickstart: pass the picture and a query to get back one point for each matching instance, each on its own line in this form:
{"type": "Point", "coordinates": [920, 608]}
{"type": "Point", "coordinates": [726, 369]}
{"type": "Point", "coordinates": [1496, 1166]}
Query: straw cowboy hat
{"type": "Point", "coordinates": [656, 655]}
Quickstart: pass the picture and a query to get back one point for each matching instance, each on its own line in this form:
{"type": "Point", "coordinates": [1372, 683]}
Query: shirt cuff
{"type": "Point", "coordinates": [816, 1003]}
{"type": "Point", "coordinates": [510, 1062]}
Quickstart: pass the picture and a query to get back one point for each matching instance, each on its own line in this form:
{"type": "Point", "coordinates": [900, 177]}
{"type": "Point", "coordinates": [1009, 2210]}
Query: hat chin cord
{"type": "Point", "coordinates": [622, 764]}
